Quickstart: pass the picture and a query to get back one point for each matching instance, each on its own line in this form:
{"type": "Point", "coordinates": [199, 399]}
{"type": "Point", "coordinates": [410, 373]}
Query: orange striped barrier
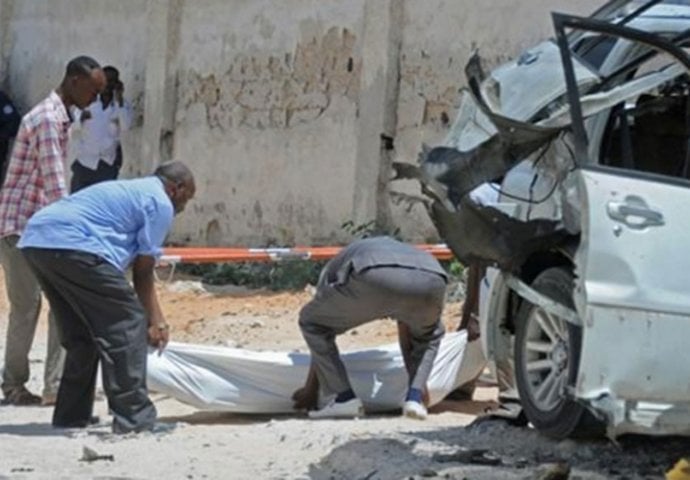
{"type": "Point", "coordinates": [174, 255]}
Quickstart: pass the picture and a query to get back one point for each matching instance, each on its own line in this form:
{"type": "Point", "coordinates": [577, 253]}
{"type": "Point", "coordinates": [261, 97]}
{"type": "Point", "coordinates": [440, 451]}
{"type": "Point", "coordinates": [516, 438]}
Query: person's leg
{"type": "Point", "coordinates": [334, 310]}
{"type": "Point", "coordinates": [81, 177]}
{"type": "Point", "coordinates": [319, 332]}
{"type": "Point", "coordinates": [105, 172]}
{"type": "Point", "coordinates": [107, 304]}
{"type": "Point", "coordinates": [406, 346]}
{"type": "Point", "coordinates": [117, 165]}
{"type": "Point", "coordinates": [24, 295]}
{"type": "Point", "coordinates": [55, 362]}
{"type": "Point", "coordinates": [416, 300]}
{"type": "Point", "coordinates": [75, 395]}
{"type": "Point", "coordinates": [426, 330]}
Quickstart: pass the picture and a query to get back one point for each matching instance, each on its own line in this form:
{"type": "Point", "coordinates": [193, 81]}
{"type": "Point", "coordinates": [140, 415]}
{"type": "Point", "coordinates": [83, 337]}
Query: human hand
{"type": "Point", "coordinates": [473, 330]}
{"type": "Point", "coordinates": [159, 336]}
{"type": "Point", "coordinates": [305, 398]}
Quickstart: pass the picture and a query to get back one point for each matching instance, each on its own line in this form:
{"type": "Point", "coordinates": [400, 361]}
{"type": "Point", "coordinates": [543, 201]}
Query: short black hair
{"type": "Point", "coordinates": [176, 172]}
{"type": "Point", "coordinates": [81, 65]}
{"type": "Point", "coordinates": [113, 70]}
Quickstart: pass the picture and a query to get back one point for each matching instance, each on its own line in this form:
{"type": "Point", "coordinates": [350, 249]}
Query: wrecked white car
{"type": "Point", "coordinates": [585, 138]}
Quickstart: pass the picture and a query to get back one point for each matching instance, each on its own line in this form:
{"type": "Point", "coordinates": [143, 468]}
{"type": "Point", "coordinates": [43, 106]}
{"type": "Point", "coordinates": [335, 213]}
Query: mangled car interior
{"type": "Point", "coordinates": [584, 140]}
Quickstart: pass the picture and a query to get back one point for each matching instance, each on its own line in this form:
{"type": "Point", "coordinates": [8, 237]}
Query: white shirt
{"type": "Point", "coordinates": [98, 137]}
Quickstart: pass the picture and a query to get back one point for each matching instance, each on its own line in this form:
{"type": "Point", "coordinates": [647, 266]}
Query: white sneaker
{"type": "Point", "coordinates": [414, 409]}
{"type": "Point", "coordinates": [351, 408]}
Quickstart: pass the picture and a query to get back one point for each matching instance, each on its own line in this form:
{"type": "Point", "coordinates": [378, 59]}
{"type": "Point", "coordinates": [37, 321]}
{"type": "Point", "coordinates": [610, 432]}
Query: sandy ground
{"type": "Point", "coordinates": [207, 445]}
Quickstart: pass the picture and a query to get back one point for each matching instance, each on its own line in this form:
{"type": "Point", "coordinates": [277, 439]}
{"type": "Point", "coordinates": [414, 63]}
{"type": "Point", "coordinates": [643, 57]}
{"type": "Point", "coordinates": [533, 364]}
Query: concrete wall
{"type": "Point", "coordinates": [39, 37]}
{"type": "Point", "coordinates": [267, 106]}
{"type": "Point", "coordinates": [286, 111]}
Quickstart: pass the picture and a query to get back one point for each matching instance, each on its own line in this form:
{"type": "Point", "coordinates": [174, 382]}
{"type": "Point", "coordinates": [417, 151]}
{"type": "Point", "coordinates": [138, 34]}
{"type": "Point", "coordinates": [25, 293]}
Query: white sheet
{"type": "Point", "coordinates": [245, 381]}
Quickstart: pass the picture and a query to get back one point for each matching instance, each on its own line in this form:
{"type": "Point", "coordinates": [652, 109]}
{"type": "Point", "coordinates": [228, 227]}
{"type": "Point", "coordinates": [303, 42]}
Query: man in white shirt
{"type": "Point", "coordinates": [96, 135]}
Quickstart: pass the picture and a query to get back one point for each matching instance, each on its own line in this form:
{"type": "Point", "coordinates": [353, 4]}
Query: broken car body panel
{"type": "Point", "coordinates": [592, 166]}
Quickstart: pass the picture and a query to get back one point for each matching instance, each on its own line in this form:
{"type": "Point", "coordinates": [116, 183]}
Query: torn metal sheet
{"type": "Point", "coordinates": [482, 234]}
{"type": "Point", "coordinates": [626, 377]}
{"type": "Point", "coordinates": [541, 300]}
{"type": "Point", "coordinates": [520, 89]}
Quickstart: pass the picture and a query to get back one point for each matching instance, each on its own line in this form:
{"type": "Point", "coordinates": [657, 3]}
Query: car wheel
{"type": "Point", "coordinates": [547, 356]}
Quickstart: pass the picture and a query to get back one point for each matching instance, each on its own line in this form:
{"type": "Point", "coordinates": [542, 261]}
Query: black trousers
{"type": "Point", "coordinates": [83, 177]}
{"type": "Point", "coordinates": [99, 317]}
{"type": "Point", "coordinates": [410, 296]}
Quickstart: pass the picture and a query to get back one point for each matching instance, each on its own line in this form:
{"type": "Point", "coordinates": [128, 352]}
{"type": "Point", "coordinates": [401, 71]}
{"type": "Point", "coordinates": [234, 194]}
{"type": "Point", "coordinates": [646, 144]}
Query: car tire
{"type": "Point", "coordinates": [547, 357]}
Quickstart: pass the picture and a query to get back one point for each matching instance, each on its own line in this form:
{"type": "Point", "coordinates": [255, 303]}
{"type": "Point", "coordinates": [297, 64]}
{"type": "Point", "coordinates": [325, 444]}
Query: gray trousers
{"type": "Point", "coordinates": [100, 318]}
{"type": "Point", "coordinates": [24, 294]}
{"type": "Point", "coordinates": [413, 297]}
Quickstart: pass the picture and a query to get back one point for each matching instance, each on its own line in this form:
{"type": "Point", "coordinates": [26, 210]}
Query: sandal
{"type": "Point", "coordinates": [21, 397]}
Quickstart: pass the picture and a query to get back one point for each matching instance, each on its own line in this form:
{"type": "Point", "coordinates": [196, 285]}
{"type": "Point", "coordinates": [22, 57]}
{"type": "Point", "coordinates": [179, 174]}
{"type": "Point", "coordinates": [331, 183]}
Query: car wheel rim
{"type": "Point", "coordinates": [546, 359]}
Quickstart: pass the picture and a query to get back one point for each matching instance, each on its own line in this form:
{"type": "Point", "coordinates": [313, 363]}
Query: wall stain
{"type": "Point", "coordinates": [277, 91]}
{"type": "Point", "coordinates": [430, 88]}
{"type": "Point", "coordinates": [214, 234]}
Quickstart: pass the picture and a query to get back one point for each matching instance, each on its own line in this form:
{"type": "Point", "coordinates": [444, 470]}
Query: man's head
{"type": "Point", "coordinates": [179, 183]}
{"type": "Point", "coordinates": [112, 74]}
{"type": "Point", "coordinates": [112, 77]}
{"type": "Point", "coordinates": [84, 80]}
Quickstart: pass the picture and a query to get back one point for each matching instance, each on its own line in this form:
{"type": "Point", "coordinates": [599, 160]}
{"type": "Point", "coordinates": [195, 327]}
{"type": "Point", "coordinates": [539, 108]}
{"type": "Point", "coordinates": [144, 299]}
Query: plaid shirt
{"type": "Point", "coordinates": [35, 173]}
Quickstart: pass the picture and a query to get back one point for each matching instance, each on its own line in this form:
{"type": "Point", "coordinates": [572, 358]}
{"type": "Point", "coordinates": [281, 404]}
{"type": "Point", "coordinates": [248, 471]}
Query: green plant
{"type": "Point", "coordinates": [455, 269]}
{"type": "Point", "coordinates": [368, 229]}
{"type": "Point", "coordinates": [290, 274]}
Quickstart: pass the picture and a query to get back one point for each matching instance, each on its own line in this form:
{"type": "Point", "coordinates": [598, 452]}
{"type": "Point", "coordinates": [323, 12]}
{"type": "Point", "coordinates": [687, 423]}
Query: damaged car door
{"type": "Point", "coordinates": [634, 364]}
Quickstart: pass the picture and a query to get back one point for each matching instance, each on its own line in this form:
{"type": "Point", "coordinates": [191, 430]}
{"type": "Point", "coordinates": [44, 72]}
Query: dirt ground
{"type": "Point", "coordinates": [453, 443]}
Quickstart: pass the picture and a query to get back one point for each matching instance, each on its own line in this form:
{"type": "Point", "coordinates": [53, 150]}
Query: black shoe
{"type": "Point", "coordinates": [20, 397]}
{"type": "Point", "coordinates": [93, 420]}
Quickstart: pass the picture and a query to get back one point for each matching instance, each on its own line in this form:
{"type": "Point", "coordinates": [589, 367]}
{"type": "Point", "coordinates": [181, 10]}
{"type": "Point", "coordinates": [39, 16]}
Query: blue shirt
{"type": "Point", "coordinates": [116, 220]}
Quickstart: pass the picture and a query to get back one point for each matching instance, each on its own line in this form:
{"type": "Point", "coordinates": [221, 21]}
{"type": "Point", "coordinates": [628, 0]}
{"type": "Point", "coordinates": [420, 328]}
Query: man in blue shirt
{"type": "Point", "coordinates": [79, 248]}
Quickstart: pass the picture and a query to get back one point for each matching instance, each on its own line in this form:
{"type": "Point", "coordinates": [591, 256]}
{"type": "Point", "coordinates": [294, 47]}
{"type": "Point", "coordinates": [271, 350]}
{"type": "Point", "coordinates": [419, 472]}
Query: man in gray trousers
{"type": "Point", "coordinates": [372, 279]}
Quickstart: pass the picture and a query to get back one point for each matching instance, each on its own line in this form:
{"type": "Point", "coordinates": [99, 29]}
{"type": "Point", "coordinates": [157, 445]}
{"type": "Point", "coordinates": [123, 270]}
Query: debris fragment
{"type": "Point", "coordinates": [428, 473]}
{"type": "Point", "coordinates": [556, 471]}
{"type": "Point", "coordinates": [91, 455]}
{"type": "Point", "coordinates": [475, 456]}
{"type": "Point", "coordinates": [680, 471]}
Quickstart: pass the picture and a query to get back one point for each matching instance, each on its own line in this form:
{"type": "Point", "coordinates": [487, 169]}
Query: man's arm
{"type": "Point", "coordinates": [307, 397]}
{"type": "Point", "coordinates": [51, 155]}
{"type": "Point", "coordinates": [470, 308]}
{"type": "Point", "coordinates": [143, 277]}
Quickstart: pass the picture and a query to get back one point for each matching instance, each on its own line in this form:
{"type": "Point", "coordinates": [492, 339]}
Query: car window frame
{"type": "Point", "coordinates": [655, 41]}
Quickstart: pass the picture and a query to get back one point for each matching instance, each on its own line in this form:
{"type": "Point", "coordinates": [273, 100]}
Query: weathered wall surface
{"type": "Point", "coordinates": [38, 38]}
{"type": "Point", "coordinates": [267, 97]}
{"type": "Point", "coordinates": [287, 111]}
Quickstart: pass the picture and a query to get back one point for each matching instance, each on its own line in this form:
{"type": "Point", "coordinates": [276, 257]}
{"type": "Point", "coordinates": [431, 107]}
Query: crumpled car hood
{"type": "Point", "coordinates": [503, 119]}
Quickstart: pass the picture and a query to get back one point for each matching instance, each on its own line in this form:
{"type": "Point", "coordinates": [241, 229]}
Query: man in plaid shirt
{"type": "Point", "coordinates": [36, 178]}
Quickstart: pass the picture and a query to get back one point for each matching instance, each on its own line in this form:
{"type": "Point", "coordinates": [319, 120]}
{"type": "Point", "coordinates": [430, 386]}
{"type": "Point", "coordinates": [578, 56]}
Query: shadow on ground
{"type": "Point", "coordinates": [631, 457]}
{"type": "Point", "coordinates": [368, 459]}
{"type": "Point", "coordinates": [32, 430]}
{"type": "Point", "coordinates": [224, 418]}
{"type": "Point", "coordinates": [498, 451]}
